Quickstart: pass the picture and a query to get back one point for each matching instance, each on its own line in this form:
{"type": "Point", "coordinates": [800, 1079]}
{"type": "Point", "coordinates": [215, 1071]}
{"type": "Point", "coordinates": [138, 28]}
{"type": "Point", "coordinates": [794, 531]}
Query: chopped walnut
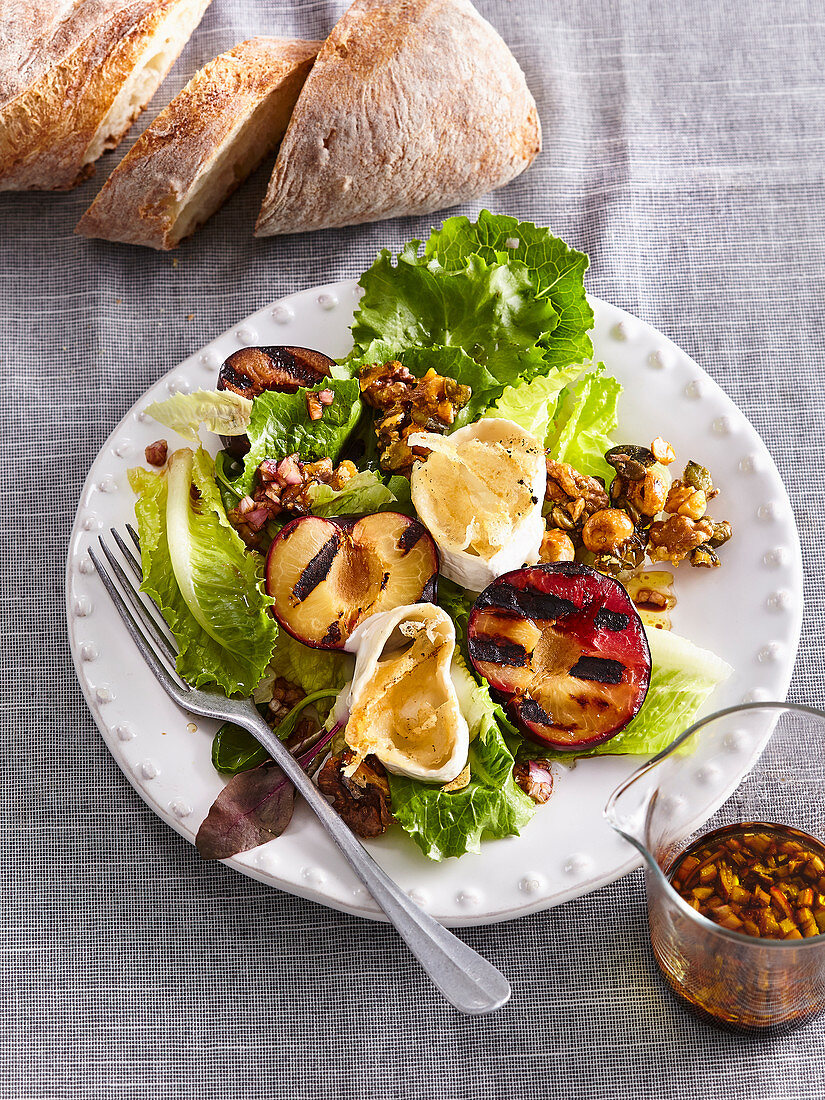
{"type": "Point", "coordinates": [405, 404]}
{"type": "Point", "coordinates": [156, 452]}
{"type": "Point", "coordinates": [566, 487]}
{"type": "Point", "coordinates": [556, 545]}
{"type": "Point", "coordinates": [673, 539]}
{"type": "Point", "coordinates": [684, 500]}
{"type": "Point", "coordinates": [285, 695]}
{"type": "Point", "coordinates": [363, 798]}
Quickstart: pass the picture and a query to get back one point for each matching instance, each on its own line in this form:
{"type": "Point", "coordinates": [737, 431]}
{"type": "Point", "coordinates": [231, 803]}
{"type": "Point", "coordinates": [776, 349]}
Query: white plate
{"type": "Point", "coordinates": [749, 612]}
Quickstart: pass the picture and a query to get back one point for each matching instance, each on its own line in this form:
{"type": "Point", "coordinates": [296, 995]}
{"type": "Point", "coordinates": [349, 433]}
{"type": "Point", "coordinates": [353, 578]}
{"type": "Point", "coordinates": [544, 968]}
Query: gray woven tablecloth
{"type": "Point", "coordinates": [683, 150]}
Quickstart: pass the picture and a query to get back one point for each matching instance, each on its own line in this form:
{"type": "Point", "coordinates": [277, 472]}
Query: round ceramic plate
{"type": "Point", "coordinates": [749, 612]}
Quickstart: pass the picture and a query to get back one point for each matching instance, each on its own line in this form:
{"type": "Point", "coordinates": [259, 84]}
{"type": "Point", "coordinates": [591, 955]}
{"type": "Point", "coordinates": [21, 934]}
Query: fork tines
{"type": "Point", "coordinates": [159, 652]}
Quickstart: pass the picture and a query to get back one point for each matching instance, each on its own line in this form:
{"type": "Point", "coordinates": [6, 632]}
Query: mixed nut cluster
{"type": "Point", "coordinates": [285, 485]}
{"type": "Point", "coordinates": [621, 527]}
{"type": "Point", "coordinates": [361, 799]}
{"type": "Point", "coordinates": [405, 404]}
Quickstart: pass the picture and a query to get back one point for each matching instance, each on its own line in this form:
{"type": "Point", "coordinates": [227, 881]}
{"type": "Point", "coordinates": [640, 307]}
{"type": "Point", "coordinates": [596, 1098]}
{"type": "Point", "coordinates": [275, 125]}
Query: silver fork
{"type": "Point", "coordinates": [468, 981]}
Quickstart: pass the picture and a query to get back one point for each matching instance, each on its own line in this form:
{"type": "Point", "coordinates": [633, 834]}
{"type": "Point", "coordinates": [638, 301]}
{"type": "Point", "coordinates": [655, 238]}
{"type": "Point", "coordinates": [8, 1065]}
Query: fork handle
{"type": "Point", "coordinates": [465, 978]}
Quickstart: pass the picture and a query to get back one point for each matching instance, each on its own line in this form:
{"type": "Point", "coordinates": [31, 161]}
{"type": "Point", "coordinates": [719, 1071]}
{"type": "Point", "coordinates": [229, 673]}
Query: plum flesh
{"type": "Point", "coordinates": [563, 648]}
{"type": "Point", "coordinates": [327, 575]}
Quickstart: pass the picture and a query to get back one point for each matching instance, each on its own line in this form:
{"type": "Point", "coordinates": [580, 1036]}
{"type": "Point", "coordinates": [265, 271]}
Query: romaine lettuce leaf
{"type": "Point", "coordinates": [197, 570]}
{"type": "Point", "coordinates": [531, 404]}
{"type": "Point", "coordinates": [280, 426]}
{"type": "Point", "coordinates": [557, 272]}
{"type": "Point", "coordinates": [219, 411]}
{"type": "Point", "coordinates": [583, 423]}
{"type": "Point", "coordinates": [488, 310]}
{"type": "Point", "coordinates": [310, 669]}
{"type": "Point", "coordinates": [683, 677]}
{"type": "Point", "coordinates": [365, 492]}
{"type": "Point", "coordinates": [450, 823]}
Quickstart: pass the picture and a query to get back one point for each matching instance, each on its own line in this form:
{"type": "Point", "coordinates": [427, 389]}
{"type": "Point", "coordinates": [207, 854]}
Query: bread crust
{"type": "Point", "coordinates": [62, 64]}
{"type": "Point", "coordinates": [411, 106]}
{"type": "Point", "coordinates": [142, 198]}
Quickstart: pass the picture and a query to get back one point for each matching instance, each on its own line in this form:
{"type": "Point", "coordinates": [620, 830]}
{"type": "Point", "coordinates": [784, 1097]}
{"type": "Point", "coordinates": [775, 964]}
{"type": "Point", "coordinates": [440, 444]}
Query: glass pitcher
{"type": "Point", "coordinates": [737, 980]}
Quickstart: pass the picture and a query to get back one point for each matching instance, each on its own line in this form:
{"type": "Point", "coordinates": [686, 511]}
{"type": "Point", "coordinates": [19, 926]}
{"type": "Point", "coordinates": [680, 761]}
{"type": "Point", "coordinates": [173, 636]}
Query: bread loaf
{"type": "Point", "coordinates": [229, 116]}
{"type": "Point", "coordinates": [410, 106]}
{"type": "Point", "coordinates": [74, 74]}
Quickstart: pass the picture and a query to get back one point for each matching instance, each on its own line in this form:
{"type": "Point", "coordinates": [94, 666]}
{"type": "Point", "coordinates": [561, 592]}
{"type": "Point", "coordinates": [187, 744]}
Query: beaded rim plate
{"type": "Point", "coordinates": [749, 612]}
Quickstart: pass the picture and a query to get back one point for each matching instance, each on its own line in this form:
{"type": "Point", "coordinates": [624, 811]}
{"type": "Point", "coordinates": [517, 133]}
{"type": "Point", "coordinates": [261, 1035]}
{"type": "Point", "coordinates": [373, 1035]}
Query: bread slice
{"type": "Point", "coordinates": [229, 116]}
{"type": "Point", "coordinates": [409, 107]}
{"type": "Point", "coordinates": [73, 81]}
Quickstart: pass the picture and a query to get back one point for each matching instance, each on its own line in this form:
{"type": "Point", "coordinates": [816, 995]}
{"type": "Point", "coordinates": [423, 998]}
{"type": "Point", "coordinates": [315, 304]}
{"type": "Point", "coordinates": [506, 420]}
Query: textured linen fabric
{"type": "Point", "coordinates": [683, 150]}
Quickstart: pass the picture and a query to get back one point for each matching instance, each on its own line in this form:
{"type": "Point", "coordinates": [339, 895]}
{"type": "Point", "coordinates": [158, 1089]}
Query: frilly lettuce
{"type": "Point", "coordinates": [363, 493]}
{"type": "Point", "coordinates": [555, 269]}
{"type": "Point", "coordinates": [531, 404]}
{"type": "Point", "coordinates": [490, 311]}
{"type": "Point", "coordinates": [197, 570]}
{"type": "Point", "coordinates": [584, 422]}
{"type": "Point", "coordinates": [219, 411]}
{"type": "Point", "coordinates": [450, 823]}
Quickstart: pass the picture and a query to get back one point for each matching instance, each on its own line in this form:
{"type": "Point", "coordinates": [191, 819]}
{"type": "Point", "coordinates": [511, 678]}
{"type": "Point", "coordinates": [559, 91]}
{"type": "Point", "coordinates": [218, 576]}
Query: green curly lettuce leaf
{"type": "Point", "coordinates": [490, 311]}
{"type": "Point", "coordinates": [208, 588]}
{"type": "Point", "coordinates": [280, 426]}
{"type": "Point", "coordinates": [583, 424]}
{"type": "Point", "coordinates": [363, 493]}
{"type": "Point", "coordinates": [531, 404]}
{"type": "Point", "coordinates": [557, 272]}
{"type": "Point", "coordinates": [450, 823]}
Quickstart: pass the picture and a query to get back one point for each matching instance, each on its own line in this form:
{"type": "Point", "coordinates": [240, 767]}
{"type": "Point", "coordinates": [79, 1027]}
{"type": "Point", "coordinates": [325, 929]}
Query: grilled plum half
{"type": "Point", "coordinates": [328, 575]}
{"type": "Point", "coordinates": [564, 650]}
{"type": "Point", "coordinates": [251, 371]}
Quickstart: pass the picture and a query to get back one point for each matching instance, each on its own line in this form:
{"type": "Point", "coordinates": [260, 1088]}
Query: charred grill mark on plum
{"type": "Point", "coordinates": [326, 575]}
{"type": "Point", "coordinates": [410, 536]}
{"type": "Point", "coordinates": [317, 569]}
{"type": "Point", "coordinates": [250, 371]}
{"type": "Point", "coordinates": [526, 603]}
{"type": "Point", "coordinates": [563, 648]}
{"type": "Point", "coordinates": [600, 669]}
{"type": "Point", "coordinates": [500, 652]}
{"type": "Point", "coordinates": [333, 634]}
{"type": "Point", "coordinates": [534, 712]}
{"type": "Point", "coordinates": [611, 620]}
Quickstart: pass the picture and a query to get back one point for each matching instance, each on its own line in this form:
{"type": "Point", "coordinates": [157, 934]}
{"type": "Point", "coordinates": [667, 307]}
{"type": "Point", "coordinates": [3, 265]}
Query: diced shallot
{"type": "Point", "coordinates": [289, 472]}
{"type": "Point", "coordinates": [257, 518]}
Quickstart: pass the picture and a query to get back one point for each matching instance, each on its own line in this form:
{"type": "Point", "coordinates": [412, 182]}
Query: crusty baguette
{"type": "Point", "coordinates": [74, 75]}
{"type": "Point", "coordinates": [411, 106]}
{"type": "Point", "coordinates": [225, 121]}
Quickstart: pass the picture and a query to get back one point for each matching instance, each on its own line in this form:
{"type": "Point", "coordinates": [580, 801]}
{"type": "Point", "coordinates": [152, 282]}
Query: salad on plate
{"type": "Point", "coordinates": [434, 564]}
